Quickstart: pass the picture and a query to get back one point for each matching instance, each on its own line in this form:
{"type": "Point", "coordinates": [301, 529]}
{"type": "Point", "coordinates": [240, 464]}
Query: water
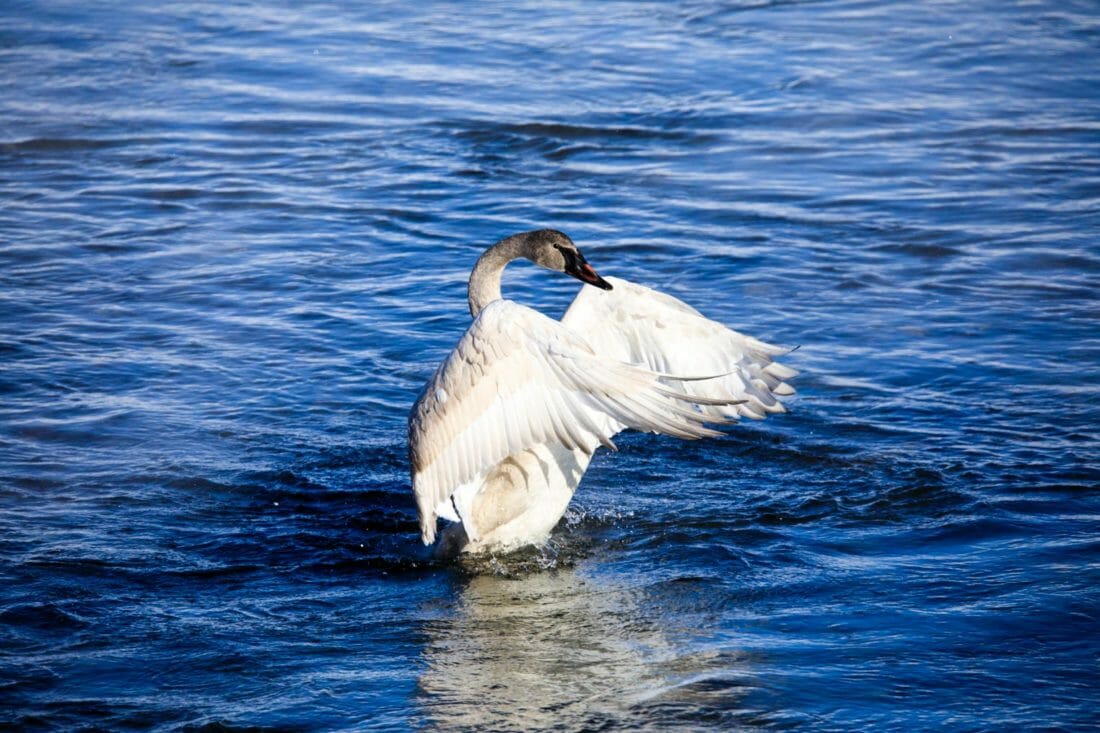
{"type": "Point", "coordinates": [233, 246]}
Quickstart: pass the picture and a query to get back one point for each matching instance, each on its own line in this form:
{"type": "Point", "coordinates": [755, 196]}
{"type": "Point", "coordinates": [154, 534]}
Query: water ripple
{"type": "Point", "coordinates": [235, 244]}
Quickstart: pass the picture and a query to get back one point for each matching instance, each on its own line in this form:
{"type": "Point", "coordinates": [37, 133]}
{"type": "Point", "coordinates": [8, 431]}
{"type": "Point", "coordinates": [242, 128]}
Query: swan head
{"type": "Point", "coordinates": [555, 251]}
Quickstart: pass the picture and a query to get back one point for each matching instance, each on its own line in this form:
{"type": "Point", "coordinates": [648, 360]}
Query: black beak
{"type": "Point", "coordinates": [579, 268]}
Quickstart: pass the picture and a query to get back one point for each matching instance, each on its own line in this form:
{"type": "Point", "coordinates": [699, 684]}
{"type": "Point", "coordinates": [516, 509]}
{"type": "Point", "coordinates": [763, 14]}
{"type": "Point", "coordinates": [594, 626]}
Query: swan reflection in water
{"type": "Point", "coordinates": [559, 650]}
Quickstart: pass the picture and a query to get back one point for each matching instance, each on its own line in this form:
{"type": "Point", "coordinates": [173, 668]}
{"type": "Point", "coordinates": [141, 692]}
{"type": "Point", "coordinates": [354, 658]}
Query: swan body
{"type": "Point", "coordinates": [504, 430]}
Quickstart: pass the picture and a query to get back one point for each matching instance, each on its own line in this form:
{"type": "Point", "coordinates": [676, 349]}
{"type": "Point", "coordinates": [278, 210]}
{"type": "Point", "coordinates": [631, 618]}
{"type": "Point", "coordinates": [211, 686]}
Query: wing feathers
{"type": "Point", "coordinates": [517, 379]}
{"type": "Point", "coordinates": [642, 326]}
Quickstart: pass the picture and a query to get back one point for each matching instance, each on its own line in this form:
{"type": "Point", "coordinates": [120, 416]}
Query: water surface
{"type": "Point", "coordinates": [234, 243]}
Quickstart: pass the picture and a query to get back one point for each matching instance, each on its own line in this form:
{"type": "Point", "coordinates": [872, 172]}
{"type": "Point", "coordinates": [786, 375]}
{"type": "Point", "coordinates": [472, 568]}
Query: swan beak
{"type": "Point", "coordinates": [586, 274]}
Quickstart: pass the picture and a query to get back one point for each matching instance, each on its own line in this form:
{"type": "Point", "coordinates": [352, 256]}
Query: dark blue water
{"type": "Point", "coordinates": [234, 243]}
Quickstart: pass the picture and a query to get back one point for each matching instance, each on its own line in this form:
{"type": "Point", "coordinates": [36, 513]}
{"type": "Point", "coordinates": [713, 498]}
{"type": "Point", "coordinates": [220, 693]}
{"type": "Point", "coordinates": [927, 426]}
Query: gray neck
{"type": "Point", "coordinates": [485, 279]}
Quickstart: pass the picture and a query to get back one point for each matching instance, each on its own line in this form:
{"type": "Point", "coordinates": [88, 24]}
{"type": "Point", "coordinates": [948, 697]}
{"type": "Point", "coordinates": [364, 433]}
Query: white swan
{"type": "Point", "coordinates": [504, 430]}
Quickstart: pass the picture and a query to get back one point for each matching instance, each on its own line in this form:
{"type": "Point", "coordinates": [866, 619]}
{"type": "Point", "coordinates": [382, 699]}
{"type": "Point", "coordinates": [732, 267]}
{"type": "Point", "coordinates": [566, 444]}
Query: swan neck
{"type": "Point", "coordinates": [484, 285]}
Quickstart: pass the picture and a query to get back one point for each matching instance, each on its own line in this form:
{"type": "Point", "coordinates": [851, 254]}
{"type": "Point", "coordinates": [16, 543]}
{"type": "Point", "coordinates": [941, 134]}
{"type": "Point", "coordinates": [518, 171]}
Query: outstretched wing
{"type": "Point", "coordinates": [639, 325]}
{"type": "Point", "coordinates": [517, 379]}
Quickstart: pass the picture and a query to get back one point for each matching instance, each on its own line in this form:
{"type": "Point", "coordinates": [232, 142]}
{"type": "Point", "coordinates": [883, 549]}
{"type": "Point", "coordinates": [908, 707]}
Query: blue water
{"type": "Point", "coordinates": [234, 243]}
